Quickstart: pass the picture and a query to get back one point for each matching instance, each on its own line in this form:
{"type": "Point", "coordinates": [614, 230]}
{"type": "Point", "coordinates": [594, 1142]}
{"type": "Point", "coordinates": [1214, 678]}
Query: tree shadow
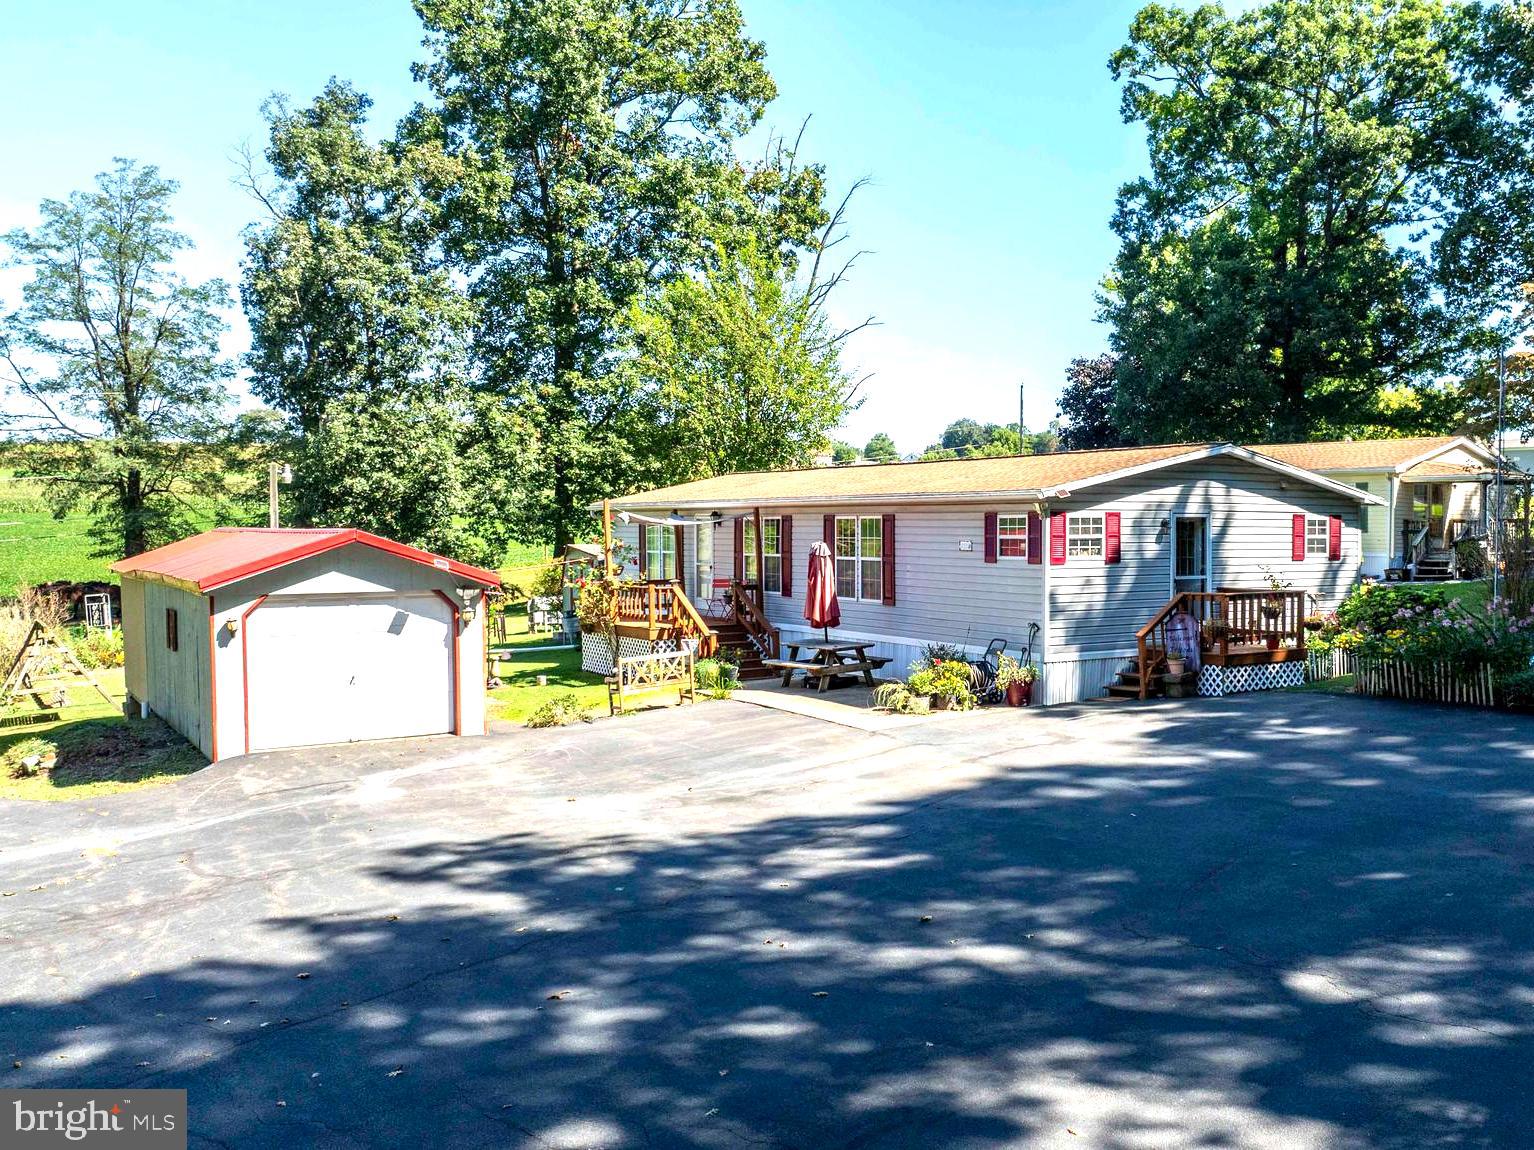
{"type": "Point", "coordinates": [1310, 935]}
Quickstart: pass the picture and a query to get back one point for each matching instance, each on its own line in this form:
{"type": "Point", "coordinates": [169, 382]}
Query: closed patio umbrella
{"type": "Point", "coordinates": [820, 605]}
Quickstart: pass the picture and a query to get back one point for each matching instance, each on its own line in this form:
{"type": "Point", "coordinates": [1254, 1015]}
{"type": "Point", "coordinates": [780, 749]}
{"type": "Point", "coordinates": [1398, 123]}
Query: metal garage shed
{"type": "Point", "coordinates": [251, 639]}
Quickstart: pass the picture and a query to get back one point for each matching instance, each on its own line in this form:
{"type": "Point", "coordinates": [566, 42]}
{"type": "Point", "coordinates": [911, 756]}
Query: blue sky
{"type": "Point", "coordinates": [990, 132]}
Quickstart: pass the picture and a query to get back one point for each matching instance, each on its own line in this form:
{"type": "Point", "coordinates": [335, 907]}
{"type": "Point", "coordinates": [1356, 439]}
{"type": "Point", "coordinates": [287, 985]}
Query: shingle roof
{"type": "Point", "coordinates": [1025, 476]}
{"type": "Point", "coordinates": [229, 554]}
{"type": "Point", "coordinates": [1356, 454]}
{"type": "Point", "coordinates": [1449, 471]}
{"type": "Point", "coordinates": [892, 480]}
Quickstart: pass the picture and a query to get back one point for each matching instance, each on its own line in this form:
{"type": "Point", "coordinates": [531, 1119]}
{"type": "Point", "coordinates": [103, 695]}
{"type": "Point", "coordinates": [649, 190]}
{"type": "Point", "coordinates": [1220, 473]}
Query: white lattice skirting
{"type": "Point", "coordinates": [1218, 681]}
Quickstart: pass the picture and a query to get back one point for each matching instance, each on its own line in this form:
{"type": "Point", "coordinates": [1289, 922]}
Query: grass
{"type": "Point", "coordinates": [1341, 685]}
{"type": "Point", "coordinates": [519, 694]}
{"type": "Point", "coordinates": [95, 751]}
{"type": "Point", "coordinates": [1473, 593]}
{"type": "Point", "coordinates": [517, 634]}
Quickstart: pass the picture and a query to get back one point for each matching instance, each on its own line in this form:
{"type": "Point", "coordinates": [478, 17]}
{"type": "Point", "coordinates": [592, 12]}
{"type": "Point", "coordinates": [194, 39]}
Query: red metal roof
{"type": "Point", "coordinates": [228, 554]}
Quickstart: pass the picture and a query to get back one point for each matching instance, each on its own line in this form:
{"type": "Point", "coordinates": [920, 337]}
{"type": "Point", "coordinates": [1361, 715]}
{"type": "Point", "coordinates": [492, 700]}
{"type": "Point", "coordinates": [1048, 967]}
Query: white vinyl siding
{"type": "Point", "coordinates": [1096, 608]}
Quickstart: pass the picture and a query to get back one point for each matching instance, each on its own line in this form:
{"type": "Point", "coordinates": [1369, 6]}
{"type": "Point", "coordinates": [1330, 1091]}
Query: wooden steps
{"type": "Point", "coordinates": [1127, 684]}
{"type": "Point", "coordinates": [734, 637]}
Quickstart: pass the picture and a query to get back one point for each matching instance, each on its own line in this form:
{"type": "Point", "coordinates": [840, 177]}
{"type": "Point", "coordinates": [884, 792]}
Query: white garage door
{"type": "Point", "coordinates": [335, 670]}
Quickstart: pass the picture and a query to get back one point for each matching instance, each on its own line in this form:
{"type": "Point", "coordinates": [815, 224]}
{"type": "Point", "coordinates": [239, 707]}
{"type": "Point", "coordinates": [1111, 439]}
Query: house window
{"type": "Point", "coordinates": [1084, 536]}
{"type": "Point", "coordinates": [1363, 508]}
{"type": "Point", "coordinates": [772, 555]}
{"type": "Point", "coordinates": [659, 553]}
{"type": "Point", "coordinates": [860, 557]}
{"type": "Point", "coordinates": [772, 532]}
{"type": "Point", "coordinates": [1012, 536]}
{"type": "Point", "coordinates": [1317, 537]}
{"type": "Point", "coordinates": [172, 631]}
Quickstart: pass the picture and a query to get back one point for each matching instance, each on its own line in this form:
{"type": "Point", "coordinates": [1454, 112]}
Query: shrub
{"type": "Point", "coordinates": [1378, 607]}
{"type": "Point", "coordinates": [96, 648]}
{"type": "Point", "coordinates": [898, 697]}
{"type": "Point", "coordinates": [1517, 689]}
{"type": "Point", "coordinates": [559, 711]}
{"type": "Point", "coordinates": [935, 653]}
{"type": "Point", "coordinates": [712, 679]}
{"type": "Point", "coordinates": [1471, 559]}
{"type": "Point", "coordinates": [548, 583]}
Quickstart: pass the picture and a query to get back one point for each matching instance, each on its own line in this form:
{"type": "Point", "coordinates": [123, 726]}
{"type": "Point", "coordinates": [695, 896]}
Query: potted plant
{"type": "Point", "coordinates": [1176, 664]}
{"type": "Point", "coordinates": [947, 682]}
{"type": "Point", "coordinates": [728, 659]}
{"type": "Point", "coordinates": [1016, 680]}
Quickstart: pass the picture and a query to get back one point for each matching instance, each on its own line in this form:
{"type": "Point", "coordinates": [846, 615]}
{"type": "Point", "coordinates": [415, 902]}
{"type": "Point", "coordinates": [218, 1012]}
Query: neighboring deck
{"type": "Point", "coordinates": [734, 622]}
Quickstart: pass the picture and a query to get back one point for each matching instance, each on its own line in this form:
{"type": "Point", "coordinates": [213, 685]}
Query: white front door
{"type": "Point", "coordinates": [339, 669]}
{"type": "Point", "coordinates": [1190, 554]}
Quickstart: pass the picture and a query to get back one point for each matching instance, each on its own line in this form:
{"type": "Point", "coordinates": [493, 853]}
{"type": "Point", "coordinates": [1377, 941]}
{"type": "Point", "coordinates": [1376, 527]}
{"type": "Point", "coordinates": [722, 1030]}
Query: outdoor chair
{"type": "Point", "coordinates": [543, 615]}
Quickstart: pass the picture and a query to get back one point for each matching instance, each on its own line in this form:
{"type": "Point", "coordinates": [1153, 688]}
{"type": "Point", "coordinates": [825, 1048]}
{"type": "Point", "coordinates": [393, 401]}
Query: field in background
{"type": "Point", "coordinates": [37, 548]}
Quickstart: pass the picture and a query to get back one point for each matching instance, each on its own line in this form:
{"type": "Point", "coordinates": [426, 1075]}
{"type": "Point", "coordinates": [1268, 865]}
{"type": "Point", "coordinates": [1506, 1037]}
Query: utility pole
{"type": "Point", "coordinates": [1021, 388]}
{"type": "Point", "coordinates": [275, 473]}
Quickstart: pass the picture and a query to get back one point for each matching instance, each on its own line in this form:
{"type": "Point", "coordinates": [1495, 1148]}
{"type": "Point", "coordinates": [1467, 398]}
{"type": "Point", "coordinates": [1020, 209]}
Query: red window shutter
{"type": "Point", "coordinates": [786, 551]}
{"type": "Point", "coordinates": [1056, 540]}
{"type": "Point", "coordinates": [1334, 538]}
{"type": "Point", "coordinates": [680, 546]}
{"type": "Point", "coordinates": [644, 552]}
{"type": "Point", "coordinates": [1298, 539]}
{"type": "Point", "coordinates": [1113, 550]}
{"type": "Point", "coordinates": [740, 550]}
{"type": "Point", "coordinates": [990, 536]}
{"type": "Point", "coordinates": [1035, 538]}
{"type": "Point", "coordinates": [830, 534]}
{"type": "Point", "coordinates": [889, 560]}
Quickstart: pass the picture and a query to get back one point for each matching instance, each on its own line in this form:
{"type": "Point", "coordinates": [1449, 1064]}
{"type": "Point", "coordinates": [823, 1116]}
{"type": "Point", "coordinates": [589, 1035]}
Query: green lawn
{"type": "Point", "coordinates": [95, 750]}
{"type": "Point", "coordinates": [1341, 685]}
{"type": "Point", "coordinates": [519, 695]}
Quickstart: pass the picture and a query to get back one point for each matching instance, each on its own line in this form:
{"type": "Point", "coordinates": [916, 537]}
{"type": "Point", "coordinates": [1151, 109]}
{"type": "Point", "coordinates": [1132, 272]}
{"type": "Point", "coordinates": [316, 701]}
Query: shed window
{"type": "Point", "coordinates": [860, 557]}
{"type": "Point", "coordinates": [1012, 536]}
{"type": "Point", "coordinates": [1317, 536]}
{"type": "Point", "coordinates": [172, 632]}
{"type": "Point", "coordinates": [1084, 536]}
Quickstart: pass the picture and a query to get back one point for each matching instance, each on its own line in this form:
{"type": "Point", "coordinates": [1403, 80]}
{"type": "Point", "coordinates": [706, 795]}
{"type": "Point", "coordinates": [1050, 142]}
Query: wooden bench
{"type": "Point", "coordinates": [642, 674]}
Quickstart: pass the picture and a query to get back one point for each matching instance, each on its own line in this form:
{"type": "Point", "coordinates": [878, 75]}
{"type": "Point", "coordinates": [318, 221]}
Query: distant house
{"type": "Point", "coordinates": [1082, 550]}
{"type": "Point", "coordinates": [250, 639]}
{"type": "Point", "coordinates": [1434, 490]}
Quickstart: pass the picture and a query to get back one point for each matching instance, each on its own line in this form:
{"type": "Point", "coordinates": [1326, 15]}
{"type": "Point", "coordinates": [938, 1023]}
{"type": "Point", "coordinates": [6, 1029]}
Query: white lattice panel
{"type": "Point", "coordinates": [1217, 681]}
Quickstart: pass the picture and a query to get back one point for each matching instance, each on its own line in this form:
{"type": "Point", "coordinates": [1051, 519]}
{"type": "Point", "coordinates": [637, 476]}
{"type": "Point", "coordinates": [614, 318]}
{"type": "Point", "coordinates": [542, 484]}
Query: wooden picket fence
{"type": "Point", "coordinates": [1332, 664]}
{"type": "Point", "coordinates": [1434, 682]}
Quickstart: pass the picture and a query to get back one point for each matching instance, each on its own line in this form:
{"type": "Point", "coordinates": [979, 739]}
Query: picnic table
{"type": "Point", "coordinates": [828, 660]}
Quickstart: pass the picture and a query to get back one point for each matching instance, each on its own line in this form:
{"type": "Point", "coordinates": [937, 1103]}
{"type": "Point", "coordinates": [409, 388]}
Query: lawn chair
{"type": "Point", "coordinates": [543, 615]}
{"type": "Point", "coordinates": [986, 668]}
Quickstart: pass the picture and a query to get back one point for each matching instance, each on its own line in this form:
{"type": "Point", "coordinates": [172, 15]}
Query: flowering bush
{"type": "Point", "coordinates": [596, 604]}
{"type": "Point", "coordinates": [1423, 625]}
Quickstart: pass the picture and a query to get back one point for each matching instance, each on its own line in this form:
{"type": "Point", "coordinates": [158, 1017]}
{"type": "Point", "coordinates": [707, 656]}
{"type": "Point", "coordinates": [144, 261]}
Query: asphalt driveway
{"type": "Point", "coordinates": [1283, 920]}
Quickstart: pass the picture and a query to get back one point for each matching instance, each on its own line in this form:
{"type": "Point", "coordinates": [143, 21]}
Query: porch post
{"type": "Point", "coordinates": [607, 538]}
{"type": "Point", "coordinates": [761, 560]}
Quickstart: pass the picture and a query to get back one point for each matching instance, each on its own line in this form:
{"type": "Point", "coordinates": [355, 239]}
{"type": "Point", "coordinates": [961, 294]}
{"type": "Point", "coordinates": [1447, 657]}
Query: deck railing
{"type": "Point", "coordinates": [1229, 617]}
{"type": "Point", "coordinates": [662, 607]}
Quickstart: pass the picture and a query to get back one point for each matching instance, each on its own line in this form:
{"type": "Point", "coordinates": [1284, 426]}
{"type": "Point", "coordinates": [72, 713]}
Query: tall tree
{"type": "Point", "coordinates": [1086, 402]}
{"type": "Point", "coordinates": [740, 370]}
{"type": "Point", "coordinates": [344, 282]}
{"type": "Point", "coordinates": [881, 448]}
{"type": "Point", "coordinates": [115, 356]}
{"type": "Point", "coordinates": [594, 151]}
{"type": "Point", "coordinates": [1281, 264]}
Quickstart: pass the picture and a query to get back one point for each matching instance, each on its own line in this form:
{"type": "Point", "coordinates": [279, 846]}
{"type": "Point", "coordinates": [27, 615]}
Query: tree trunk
{"type": "Point", "coordinates": [131, 502]}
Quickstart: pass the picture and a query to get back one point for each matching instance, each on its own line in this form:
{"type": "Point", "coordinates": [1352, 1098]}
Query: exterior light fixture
{"type": "Point", "coordinates": [469, 596]}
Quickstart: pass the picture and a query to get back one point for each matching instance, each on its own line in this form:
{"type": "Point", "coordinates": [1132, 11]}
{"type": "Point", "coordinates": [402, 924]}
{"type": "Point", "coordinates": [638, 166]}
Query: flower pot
{"type": "Point", "coordinates": [941, 702]}
{"type": "Point", "coordinates": [1028, 693]}
{"type": "Point", "coordinates": [1017, 694]}
{"type": "Point", "coordinates": [1274, 641]}
{"type": "Point", "coordinates": [729, 673]}
{"type": "Point", "coordinates": [1175, 667]}
{"type": "Point", "coordinates": [920, 704]}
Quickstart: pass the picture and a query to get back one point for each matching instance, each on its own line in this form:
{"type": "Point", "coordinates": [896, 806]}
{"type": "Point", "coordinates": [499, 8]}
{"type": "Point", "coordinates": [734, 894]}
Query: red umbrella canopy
{"type": "Point", "coordinates": [820, 605]}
